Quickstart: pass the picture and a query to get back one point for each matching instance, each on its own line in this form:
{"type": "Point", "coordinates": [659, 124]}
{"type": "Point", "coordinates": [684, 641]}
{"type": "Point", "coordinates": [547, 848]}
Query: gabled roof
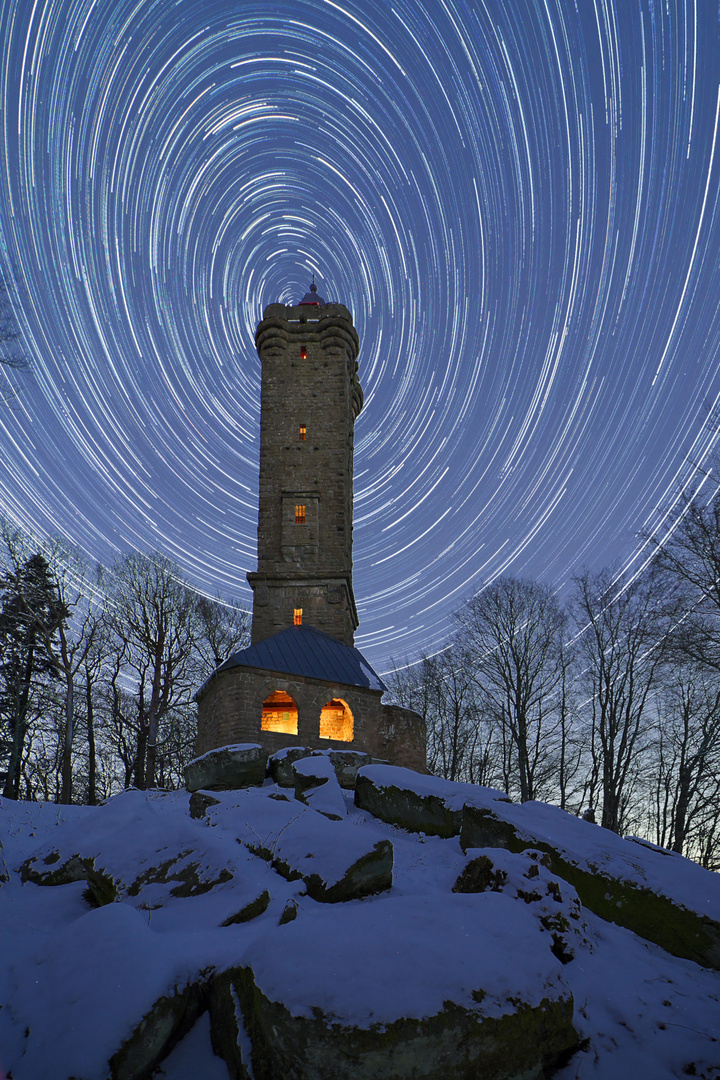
{"type": "Point", "coordinates": [303, 650]}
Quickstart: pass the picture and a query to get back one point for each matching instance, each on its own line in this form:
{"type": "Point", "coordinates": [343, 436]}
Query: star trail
{"type": "Point", "coordinates": [517, 200]}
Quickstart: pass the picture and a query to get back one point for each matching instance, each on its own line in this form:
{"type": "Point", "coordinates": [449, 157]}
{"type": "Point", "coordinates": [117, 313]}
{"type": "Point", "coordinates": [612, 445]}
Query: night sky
{"type": "Point", "coordinates": [517, 200]}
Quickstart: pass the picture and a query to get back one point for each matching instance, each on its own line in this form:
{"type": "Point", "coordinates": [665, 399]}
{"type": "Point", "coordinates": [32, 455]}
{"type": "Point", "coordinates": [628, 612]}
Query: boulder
{"type": "Point", "coordinates": [336, 860]}
{"type": "Point", "coordinates": [159, 1031]}
{"type": "Point", "coordinates": [657, 894]}
{"type": "Point", "coordinates": [316, 784]}
{"type": "Point", "coordinates": [200, 803]}
{"type": "Point", "coordinates": [332, 880]}
{"type": "Point", "coordinates": [457, 1041]}
{"type": "Point", "coordinates": [105, 995]}
{"type": "Point", "coordinates": [415, 1006]}
{"type": "Point", "coordinates": [415, 802]}
{"type": "Point", "coordinates": [346, 764]}
{"type": "Point", "coordinates": [229, 767]}
{"type": "Point", "coordinates": [279, 765]}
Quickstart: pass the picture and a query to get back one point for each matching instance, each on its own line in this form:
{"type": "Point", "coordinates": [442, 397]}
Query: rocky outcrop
{"type": "Point", "coordinates": [384, 1026]}
{"type": "Point", "coordinates": [458, 962]}
{"type": "Point", "coordinates": [613, 878]}
{"type": "Point", "coordinates": [424, 804]}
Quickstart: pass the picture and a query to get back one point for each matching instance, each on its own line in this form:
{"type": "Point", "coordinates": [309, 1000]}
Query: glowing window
{"type": "Point", "coordinates": [299, 513]}
{"type": "Point", "coordinates": [279, 713]}
{"type": "Point", "coordinates": [336, 721]}
{"type": "Point", "coordinates": [297, 616]}
{"type": "Point", "coordinates": [303, 432]}
{"type": "Point", "coordinates": [303, 352]}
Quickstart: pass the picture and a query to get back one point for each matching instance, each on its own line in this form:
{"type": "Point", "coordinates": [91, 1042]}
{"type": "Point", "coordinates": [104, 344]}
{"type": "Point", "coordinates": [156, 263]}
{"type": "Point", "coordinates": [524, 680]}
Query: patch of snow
{"type": "Point", "coordinates": [81, 979]}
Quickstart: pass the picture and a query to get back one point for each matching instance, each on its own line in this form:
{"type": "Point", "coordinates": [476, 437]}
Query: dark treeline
{"type": "Point", "coordinates": [606, 703]}
{"type": "Point", "coordinates": [98, 668]}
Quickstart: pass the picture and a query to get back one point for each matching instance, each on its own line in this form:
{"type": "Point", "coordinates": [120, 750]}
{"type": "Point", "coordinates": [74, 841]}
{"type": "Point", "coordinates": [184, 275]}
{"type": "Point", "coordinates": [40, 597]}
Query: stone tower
{"type": "Point", "coordinates": [302, 682]}
{"type": "Point", "coordinates": [310, 399]}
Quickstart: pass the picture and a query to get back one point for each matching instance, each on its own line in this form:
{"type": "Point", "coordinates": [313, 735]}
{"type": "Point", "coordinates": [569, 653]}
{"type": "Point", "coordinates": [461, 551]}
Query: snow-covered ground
{"type": "Point", "coordinates": [75, 980]}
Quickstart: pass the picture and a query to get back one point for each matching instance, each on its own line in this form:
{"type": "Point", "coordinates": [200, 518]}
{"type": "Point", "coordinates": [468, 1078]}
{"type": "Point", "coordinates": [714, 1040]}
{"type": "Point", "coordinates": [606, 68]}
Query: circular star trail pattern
{"type": "Point", "coordinates": [517, 199]}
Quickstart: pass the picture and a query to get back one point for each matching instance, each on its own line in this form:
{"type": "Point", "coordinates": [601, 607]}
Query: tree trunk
{"type": "Point", "coordinates": [140, 758]}
{"type": "Point", "coordinates": [12, 781]}
{"type": "Point", "coordinates": [67, 777]}
{"type": "Point", "coordinates": [92, 756]}
{"type": "Point", "coordinates": [150, 757]}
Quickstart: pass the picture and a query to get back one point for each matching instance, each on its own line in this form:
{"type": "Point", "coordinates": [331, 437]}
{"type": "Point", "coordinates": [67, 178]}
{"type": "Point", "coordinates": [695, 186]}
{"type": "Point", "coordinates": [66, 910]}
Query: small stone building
{"type": "Point", "coordinates": [302, 681]}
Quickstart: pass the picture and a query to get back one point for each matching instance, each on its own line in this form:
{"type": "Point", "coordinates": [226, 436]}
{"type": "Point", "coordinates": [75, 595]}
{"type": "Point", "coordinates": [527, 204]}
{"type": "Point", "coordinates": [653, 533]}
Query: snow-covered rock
{"type": "Point", "coordinates": [657, 894]}
{"type": "Point", "coordinates": [316, 784]}
{"type": "Point", "coordinates": [236, 766]}
{"type": "Point", "coordinates": [120, 925]}
{"type": "Point", "coordinates": [439, 999]}
{"type": "Point", "coordinates": [415, 801]}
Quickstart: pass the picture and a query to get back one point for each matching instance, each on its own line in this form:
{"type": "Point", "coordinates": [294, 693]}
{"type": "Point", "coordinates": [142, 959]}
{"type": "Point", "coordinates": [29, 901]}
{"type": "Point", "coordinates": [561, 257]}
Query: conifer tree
{"type": "Point", "coordinates": [30, 609]}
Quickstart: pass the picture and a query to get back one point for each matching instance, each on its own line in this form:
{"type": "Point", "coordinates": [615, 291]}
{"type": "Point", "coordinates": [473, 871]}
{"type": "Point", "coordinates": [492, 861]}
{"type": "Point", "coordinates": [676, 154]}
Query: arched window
{"type": "Point", "coordinates": [336, 721]}
{"type": "Point", "coordinates": [279, 713]}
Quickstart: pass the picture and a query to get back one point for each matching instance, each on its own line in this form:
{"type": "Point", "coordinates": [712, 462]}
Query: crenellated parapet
{"type": "Point", "coordinates": [329, 328]}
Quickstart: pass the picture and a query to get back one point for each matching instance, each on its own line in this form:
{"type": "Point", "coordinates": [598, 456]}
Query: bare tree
{"type": "Point", "coordinates": [167, 640]}
{"type": "Point", "coordinates": [622, 644]}
{"type": "Point", "coordinates": [442, 690]}
{"type": "Point", "coordinates": [512, 637]}
{"type": "Point", "coordinates": [223, 627]}
{"type": "Point", "coordinates": [70, 635]}
{"type": "Point", "coordinates": [687, 558]}
{"type": "Point", "coordinates": [153, 618]}
{"type": "Point", "coordinates": [687, 771]}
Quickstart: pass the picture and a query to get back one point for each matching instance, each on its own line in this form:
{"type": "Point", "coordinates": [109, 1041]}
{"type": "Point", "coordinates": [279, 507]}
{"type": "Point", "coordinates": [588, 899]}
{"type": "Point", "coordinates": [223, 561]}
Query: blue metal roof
{"type": "Point", "coordinates": [303, 650]}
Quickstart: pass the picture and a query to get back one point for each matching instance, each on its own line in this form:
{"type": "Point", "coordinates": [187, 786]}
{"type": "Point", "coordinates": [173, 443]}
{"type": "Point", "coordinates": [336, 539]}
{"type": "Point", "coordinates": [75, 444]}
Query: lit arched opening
{"type": "Point", "coordinates": [279, 713]}
{"type": "Point", "coordinates": [336, 721]}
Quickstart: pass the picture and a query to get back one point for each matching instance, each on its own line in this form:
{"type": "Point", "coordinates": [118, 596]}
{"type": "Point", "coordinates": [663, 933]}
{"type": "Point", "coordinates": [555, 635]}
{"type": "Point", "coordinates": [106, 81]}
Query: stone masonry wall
{"type": "Point", "coordinates": [324, 602]}
{"type": "Point", "coordinates": [402, 738]}
{"type": "Point", "coordinates": [230, 710]}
